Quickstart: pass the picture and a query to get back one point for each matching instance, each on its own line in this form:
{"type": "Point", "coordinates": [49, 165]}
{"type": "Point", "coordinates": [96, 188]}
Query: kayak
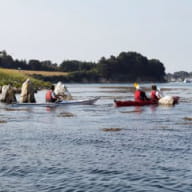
{"type": "Point", "coordinates": [89, 101]}
{"type": "Point", "coordinates": [127, 103]}
{"type": "Point", "coordinates": [134, 103]}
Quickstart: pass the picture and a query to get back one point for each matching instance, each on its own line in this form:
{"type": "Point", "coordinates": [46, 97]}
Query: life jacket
{"type": "Point", "coordinates": [137, 95]}
{"type": "Point", "coordinates": [153, 95]}
{"type": "Point", "coordinates": [48, 97]}
{"type": "Point", "coordinates": [140, 96]}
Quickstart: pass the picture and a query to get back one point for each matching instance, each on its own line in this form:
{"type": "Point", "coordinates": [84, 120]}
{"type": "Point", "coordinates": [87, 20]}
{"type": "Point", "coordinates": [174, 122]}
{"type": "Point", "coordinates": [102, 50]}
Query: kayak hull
{"type": "Point", "coordinates": [127, 103]}
{"type": "Point", "coordinates": [133, 103]}
{"type": "Point", "coordinates": [89, 101]}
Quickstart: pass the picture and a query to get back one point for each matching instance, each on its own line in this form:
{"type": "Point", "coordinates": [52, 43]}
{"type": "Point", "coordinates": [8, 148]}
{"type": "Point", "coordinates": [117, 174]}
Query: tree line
{"type": "Point", "coordinates": [178, 76]}
{"type": "Point", "coordinates": [127, 66]}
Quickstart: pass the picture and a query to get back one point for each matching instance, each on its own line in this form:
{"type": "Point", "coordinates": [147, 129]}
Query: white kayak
{"type": "Point", "coordinates": [89, 101]}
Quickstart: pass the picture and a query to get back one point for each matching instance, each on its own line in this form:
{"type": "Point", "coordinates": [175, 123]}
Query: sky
{"type": "Point", "coordinates": [87, 30]}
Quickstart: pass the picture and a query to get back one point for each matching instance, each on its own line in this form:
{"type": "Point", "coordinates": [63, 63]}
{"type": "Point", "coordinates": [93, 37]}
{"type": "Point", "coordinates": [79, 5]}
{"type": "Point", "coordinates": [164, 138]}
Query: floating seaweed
{"type": "Point", "coordinates": [66, 114]}
{"type": "Point", "coordinates": [188, 118]}
{"type": "Point", "coordinates": [112, 129]}
{"type": "Point", "coordinates": [3, 121]}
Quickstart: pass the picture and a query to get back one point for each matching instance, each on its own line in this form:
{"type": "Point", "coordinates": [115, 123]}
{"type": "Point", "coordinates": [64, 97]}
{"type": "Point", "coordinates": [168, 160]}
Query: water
{"type": "Point", "coordinates": [74, 148]}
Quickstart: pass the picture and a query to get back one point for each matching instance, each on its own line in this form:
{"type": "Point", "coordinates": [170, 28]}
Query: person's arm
{"type": "Point", "coordinates": [158, 94]}
{"type": "Point", "coordinates": [144, 96]}
{"type": "Point", "coordinates": [53, 95]}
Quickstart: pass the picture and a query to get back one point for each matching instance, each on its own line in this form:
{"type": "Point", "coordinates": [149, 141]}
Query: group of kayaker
{"type": "Point", "coordinates": [140, 95]}
{"type": "Point", "coordinates": [56, 93]}
{"type": "Point", "coordinates": [27, 93]}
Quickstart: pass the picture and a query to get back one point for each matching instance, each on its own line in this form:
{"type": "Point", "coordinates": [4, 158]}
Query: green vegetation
{"type": "Point", "coordinates": [126, 67]}
{"type": "Point", "coordinates": [131, 66]}
{"type": "Point", "coordinates": [16, 78]}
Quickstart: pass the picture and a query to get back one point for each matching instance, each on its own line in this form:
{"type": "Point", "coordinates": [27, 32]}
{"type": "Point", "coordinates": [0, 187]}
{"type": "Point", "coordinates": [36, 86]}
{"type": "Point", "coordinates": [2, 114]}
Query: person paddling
{"type": "Point", "coordinates": [50, 95]}
{"type": "Point", "coordinates": [139, 94]}
{"type": "Point", "coordinates": [155, 94]}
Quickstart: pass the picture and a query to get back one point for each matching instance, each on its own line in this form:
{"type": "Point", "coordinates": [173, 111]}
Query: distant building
{"type": "Point", "coordinates": [3, 53]}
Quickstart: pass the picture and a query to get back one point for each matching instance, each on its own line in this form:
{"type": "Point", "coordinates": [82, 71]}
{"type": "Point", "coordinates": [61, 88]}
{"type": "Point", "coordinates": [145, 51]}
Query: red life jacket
{"type": "Point", "coordinates": [137, 95]}
{"type": "Point", "coordinates": [48, 96]}
{"type": "Point", "coordinates": [153, 95]}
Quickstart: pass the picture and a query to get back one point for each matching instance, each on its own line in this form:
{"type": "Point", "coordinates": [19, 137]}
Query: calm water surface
{"type": "Point", "coordinates": [73, 148]}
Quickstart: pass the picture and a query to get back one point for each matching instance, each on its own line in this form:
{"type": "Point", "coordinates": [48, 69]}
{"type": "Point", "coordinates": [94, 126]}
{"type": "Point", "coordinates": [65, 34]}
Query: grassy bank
{"type": "Point", "coordinates": [43, 73]}
{"type": "Point", "coordinates": [17, 77]}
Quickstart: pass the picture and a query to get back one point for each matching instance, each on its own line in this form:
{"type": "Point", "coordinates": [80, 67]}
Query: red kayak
{"type": "Point", "coordinates": [134, 103]}
{"type": "Point", "coordinates": [140, 103]}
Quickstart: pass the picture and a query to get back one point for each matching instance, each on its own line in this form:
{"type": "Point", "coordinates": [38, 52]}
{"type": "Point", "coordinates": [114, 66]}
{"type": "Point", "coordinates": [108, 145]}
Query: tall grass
{"type": "Point", "coordinates": [44, 73]}
{"type": "Point", "coordinates": [16, 78]}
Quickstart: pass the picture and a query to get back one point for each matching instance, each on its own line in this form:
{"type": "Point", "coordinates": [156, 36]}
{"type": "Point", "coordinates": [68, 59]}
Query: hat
{"type": "Point", "coordinates": [136, 85]}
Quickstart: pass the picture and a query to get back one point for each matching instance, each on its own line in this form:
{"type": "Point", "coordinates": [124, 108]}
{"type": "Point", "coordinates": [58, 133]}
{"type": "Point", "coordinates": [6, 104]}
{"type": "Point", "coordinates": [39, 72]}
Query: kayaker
{"type": "Point", "coordinates": [27, 92]}
{"type": "Point", "coordinates": [8, 94]}
{"type": "Point", "coordinates": [139, 94]}
{"type": "Point", "coordinates": [155, 94]}
{"type": "Point", "coordinates": [50, 95]}
{"type": "Point", "coordinates": [62, 91]}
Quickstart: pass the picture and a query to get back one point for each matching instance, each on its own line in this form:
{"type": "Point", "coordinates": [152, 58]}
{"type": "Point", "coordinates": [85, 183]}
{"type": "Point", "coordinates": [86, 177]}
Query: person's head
{"type": "Point", "coordinates": [52, 87]}
{"type": "Point", "coordinates": [154, 87]}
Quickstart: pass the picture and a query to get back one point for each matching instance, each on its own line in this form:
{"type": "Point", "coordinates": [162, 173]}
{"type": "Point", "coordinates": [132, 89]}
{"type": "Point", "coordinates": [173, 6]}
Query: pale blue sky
{"type": "Point", "coordinates": [86, 30]}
